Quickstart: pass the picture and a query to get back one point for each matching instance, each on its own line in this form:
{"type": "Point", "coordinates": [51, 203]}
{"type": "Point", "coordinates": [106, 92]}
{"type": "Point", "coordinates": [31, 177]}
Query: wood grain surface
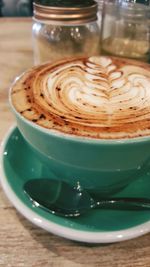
{"type": "Point", "coordinates": [22, 243]}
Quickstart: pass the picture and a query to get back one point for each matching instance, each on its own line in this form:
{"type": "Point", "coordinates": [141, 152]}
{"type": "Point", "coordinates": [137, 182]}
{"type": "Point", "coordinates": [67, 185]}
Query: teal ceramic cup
{"type": "Point", "coordinates": [101, 166]}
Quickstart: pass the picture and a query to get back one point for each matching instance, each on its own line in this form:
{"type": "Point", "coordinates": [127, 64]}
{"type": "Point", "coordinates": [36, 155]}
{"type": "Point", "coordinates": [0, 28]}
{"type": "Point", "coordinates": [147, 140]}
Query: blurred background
{"type": "Point", "coordinates": [16, 8]}
{"type": "Point", "coordinates": [19, 8]}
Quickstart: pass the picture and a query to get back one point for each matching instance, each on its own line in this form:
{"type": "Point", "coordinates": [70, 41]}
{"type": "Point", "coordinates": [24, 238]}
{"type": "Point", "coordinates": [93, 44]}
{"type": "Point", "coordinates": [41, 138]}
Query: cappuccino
{"type": "Point", "coordinates": [96, 97]}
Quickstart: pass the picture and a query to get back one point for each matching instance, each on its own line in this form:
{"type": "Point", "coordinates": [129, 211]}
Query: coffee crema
{"type": "Point", "coordinates": [97, 97]}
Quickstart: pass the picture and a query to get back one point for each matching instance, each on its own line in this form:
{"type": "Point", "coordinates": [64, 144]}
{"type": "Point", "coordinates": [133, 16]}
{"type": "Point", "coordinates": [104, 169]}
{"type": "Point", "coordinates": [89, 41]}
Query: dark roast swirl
{"type": "Point", "coordinates": [98, 97]}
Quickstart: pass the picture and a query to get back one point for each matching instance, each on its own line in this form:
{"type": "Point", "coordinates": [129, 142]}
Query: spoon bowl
{"type": "Point", "coordinates": [60, 198]}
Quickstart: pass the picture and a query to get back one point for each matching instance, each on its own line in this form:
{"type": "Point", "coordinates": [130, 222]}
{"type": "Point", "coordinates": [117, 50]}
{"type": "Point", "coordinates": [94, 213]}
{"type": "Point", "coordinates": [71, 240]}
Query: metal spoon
{"type": "Point", "coordinates": [60, 198]}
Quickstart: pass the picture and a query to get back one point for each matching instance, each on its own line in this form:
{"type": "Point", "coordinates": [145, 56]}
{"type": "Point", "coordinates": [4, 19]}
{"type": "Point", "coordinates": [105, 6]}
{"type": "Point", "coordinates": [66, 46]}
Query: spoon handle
{"type": "Point", "coordinates": [125, 203]}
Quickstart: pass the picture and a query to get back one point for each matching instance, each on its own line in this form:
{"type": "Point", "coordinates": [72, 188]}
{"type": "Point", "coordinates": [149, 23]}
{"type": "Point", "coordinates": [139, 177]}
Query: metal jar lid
{"type": "Point", "coordinates": [66, 15]}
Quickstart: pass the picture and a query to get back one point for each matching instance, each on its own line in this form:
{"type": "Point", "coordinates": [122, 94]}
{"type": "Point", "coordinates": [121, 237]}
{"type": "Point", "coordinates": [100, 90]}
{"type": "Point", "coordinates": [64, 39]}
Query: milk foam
{"type": "Point", "coordinates": [99, 97]}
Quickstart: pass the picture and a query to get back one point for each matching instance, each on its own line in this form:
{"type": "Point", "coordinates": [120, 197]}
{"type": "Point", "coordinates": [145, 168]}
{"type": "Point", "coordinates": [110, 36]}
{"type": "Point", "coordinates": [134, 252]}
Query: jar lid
{"type": "Point", "coordinates": [65, 3]}
{"type": "Point", "coordinates": [134, 10]}
{"type": "Point", "coordinates": [73, 14]}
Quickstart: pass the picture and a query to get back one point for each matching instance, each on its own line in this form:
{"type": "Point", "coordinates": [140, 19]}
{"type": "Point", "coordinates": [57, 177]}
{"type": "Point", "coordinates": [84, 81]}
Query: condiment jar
{"type": "Point", "coordinates": [61, 31]}
{"type": "Point", "coordinates": [100, 9]}
{"type": "Point", "coordinates": [125, 30]}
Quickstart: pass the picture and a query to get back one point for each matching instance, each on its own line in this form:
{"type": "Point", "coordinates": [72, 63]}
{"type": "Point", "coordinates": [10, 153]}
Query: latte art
{"type": "Point", "coordinates": [97, 97]}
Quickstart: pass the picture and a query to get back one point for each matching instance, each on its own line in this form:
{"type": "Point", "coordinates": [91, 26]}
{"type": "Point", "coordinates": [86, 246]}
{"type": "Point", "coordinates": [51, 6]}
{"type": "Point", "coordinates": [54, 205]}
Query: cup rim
{"type": "Point", "coordinates": [77, 138]}
{"type": "Point", "coordinates": [73, 137]}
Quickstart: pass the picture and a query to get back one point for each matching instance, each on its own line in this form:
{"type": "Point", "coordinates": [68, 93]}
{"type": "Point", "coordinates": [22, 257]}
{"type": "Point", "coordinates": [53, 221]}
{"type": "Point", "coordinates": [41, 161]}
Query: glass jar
{"type": "Point", "coordinates": [125, 30]}
{"type": "Point", "coordinates": [63, 31]}
{"type": "Point", "coordinates": [100, 9]}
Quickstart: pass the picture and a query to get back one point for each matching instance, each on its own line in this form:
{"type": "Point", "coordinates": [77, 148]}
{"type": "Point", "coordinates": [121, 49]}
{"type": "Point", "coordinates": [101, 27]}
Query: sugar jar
{"type": "Point", "coordinates": [125, 29]}
{"type": "Point", "coordinates": [61, 29]}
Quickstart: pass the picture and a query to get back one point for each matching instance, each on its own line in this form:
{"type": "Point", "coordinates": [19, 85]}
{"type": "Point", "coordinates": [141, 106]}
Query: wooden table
{"type": "Point", "coordinates": [22, 243]}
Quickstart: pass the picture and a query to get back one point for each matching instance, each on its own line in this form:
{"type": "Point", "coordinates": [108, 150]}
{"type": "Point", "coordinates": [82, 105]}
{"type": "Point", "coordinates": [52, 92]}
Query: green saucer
{"type": "Point", "coordinates": [19, 164]}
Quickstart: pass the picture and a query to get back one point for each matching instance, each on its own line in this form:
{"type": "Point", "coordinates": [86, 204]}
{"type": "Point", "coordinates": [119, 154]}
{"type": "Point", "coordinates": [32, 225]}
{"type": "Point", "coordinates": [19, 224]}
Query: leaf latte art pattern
{"type": "Point", "coordinates": [97, 97]}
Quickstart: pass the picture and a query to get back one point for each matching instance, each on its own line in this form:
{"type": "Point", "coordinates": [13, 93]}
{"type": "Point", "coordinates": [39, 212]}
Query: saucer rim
{"type": "Point", "coordinates": [56, 228]}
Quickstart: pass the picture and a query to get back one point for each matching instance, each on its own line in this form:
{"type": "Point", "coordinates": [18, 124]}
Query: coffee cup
{"type": "Point", "coordinates": [87, 119]}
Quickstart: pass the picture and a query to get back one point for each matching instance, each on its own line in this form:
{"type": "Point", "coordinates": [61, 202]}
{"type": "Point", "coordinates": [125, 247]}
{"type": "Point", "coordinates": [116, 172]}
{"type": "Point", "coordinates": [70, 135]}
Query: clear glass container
{"type": "Point", "coordinates": [100, 9]}
{"type": "Point", "coordinates": [125, 30]}
{"type": "Point", "coordinates": [61, 32]}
